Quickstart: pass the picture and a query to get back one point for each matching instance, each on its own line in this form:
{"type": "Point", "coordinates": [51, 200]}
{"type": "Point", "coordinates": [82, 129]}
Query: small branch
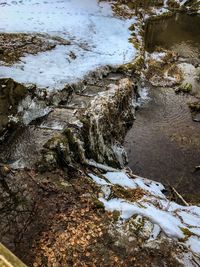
{"type": "Point", "coordinates": [101, 166]}
{"type": "Point", "coordinates": [179, 196]}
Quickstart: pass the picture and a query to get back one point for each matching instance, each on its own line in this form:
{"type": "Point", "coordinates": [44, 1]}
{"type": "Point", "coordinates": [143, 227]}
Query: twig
{"type": "Point", "coordinates": [179, 196]}
{"type": "Point", "coordinates": [101, 166]}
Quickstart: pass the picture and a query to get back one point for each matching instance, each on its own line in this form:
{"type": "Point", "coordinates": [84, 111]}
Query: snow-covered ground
{"type": "Point", "coordinates": [97, 38]}
{"type": "Point", "coordinates": [181, 223]}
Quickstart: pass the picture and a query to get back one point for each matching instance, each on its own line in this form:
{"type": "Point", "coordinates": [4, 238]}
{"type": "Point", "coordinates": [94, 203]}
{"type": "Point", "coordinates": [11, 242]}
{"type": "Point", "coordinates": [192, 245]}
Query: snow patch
{"type": "Point", "coordinates": [97, 38]}
{"type": "Point", "coordinates": [178, 222]}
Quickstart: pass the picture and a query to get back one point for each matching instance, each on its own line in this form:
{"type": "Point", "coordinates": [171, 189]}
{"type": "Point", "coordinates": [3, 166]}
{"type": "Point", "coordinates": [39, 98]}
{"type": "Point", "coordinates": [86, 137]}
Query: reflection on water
{"type": "Point", "coordinates": [164, 143]}
{"type": "Point", "coordinates": [180, 33]}
{"type": "Point", "coordinates": [170, 31]}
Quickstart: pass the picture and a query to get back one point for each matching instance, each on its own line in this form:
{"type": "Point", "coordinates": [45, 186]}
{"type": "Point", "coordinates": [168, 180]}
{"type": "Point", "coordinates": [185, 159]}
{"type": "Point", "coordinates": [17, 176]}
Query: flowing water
{"type": "Point", "coordinates": [164, 142]}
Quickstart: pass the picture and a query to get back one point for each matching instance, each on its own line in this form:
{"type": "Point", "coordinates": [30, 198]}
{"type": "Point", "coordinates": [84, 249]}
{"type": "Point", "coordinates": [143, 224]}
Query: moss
{"type": "Point", "coordinates": [19, 92]}
{"type": "Point", "coordinates": [11, 93]}
{"type": "Point", "coordinates": [120, 192]}
{"type": "Point", "coordinates": [74, 145]}
{"type": "Point", "coordinates": [54, 141]}
{"type": "Point", "coordinates": [185, 88]}
{"type": "Point", "coordinates": [187, 233]}
{"type": "Point", "coordinates": [116, 215]}
{"type": "Point", "coordinates": [98, 204]}
{"type": "Point", "coordinates": [71, 139]}
{"type": "Point", "coordinates": [132, 27]}
{"type": "Point", "coordinates": [135, 44]}
{"type": "Point", "coordinates": [128, 194]}
{"type": "Point", "coordinates": [137, 64]}
{"type": "Point", "coordinates": [137, 223]}
{"type": "Point", "coordinates": [55, 152]}
{"type": "Point", "coordinates": [131, 5]}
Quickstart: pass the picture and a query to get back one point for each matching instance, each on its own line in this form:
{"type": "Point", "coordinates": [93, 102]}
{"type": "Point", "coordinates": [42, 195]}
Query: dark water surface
{"type": "Point", "coordinates": [172, 31]}
{"type": "Point", "coordinates": [164, 142]}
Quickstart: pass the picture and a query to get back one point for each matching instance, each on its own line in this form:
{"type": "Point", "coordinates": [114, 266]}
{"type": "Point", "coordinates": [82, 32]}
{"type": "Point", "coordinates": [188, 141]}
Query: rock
{"type": "Point", "coordinates": [195, 106]}
{"type": "Point", "coordinates": [11, 93]}
{"type": "Point", "coordinates": [196, 117]}
{"type": "Point", "coordinates": [93, 131]}
{"type": "Point", "coordinates": [105, 122]}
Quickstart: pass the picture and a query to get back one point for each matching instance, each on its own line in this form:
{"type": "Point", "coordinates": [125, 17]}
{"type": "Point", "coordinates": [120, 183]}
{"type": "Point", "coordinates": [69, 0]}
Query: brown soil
{"type": "Point", "coordinates": [55, 219]}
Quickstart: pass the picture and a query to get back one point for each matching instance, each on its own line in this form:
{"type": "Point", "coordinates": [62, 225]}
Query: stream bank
{"type": "Point", "coordinates": [164, 141]}
{"type": "Point", "coordinates": [69, 210]}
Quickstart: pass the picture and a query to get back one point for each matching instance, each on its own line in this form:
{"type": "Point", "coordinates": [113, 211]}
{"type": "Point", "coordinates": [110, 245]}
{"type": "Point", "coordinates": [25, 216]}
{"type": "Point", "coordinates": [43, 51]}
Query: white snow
{"type": "Point", "coordinates": [189, 219]}
{"type": "Point", "coordinates": [167, 222]}
{"type": "Point", "coordinates": [158, 56]}
{"type": "Point", "coordinates": [120, 178]}
{"type": "Point", "coordinates": [155, 232]}
{"type": "Point", "coordinates": [169, 217]}
{"type": "Point", "coordinates": [98, 180]}
{"type": "Point", "coordinates": [194, 244]}
{"type": "Point", "coordinates": [154, 188]}
{"type": "Point", "coordinates": [97, 38]}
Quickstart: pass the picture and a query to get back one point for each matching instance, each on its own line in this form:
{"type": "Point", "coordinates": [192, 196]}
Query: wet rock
{"type": "Point", "coordinates": [91, 131]}
{"type": "Point", "coordinates": [105, 122]}
{"type": "Point", "coordinates": [190, 76]}
{"type": "Point", "coordinates": [11, 93]}
{"type": "Point", "coordinates": [196, 117]}
{"type": "Point", "coordinates": [23, 148]}
{"type": "Point", "coordinates": [162, 69]}
{"type": "Point", "coordinates": [31, 109]}
{"type": "Point", "coordinates": [195, 106]}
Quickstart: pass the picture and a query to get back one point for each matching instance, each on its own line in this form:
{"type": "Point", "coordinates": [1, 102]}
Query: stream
{"type": "Point", "coordinates": [72, 81]}
{"type": "Point", "coordinates": [164, 142]}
